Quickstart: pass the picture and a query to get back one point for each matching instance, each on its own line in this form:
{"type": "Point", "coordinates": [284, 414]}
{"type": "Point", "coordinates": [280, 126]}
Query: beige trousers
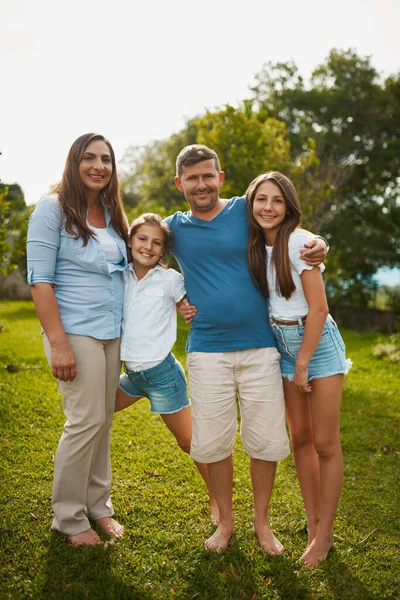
{"type": "Point", "coordinates": [82, 466]}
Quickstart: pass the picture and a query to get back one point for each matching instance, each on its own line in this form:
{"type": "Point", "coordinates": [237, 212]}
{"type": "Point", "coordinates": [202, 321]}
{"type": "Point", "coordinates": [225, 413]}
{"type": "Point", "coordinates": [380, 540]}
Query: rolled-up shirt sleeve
{"type": "Point", "coordinates": [43, 241]}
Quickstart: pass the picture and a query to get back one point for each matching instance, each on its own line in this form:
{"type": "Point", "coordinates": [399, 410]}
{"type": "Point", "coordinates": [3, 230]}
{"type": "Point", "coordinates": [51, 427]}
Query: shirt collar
{"type": "Point", "coordinates": [155, 269]}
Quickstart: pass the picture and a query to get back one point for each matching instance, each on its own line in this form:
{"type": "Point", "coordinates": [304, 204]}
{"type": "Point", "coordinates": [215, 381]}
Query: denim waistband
{"type": "Point", "coordinates": [289, 322]}
{"type": "Point", "coordinates": [169, 358]}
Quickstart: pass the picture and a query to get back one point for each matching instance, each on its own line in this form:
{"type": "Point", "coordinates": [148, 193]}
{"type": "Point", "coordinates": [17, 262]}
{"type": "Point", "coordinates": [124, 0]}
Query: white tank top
{"type": "Point", "coordinates": [112, 252]}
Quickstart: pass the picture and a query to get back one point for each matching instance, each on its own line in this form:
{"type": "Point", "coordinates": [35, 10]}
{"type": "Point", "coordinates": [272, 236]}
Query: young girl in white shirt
{"type": "Point", "coordinates": [313, 360]}
{"type": "Point", "coordinates": [151, 295]}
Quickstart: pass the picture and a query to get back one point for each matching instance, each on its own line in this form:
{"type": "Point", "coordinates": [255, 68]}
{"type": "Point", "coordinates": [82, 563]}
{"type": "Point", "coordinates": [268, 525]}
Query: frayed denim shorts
{"type": "Point", "coordinates": [328, 359]}
{"type": "Point", "coordinates": [164, 385]}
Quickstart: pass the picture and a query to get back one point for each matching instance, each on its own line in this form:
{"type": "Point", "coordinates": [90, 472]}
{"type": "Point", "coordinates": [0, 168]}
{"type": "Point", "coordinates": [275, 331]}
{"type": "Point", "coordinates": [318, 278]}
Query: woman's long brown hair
{"type": "Point", "coordinates": [72, 195]}
{"type": "Point", "coordinates": [256, 253]}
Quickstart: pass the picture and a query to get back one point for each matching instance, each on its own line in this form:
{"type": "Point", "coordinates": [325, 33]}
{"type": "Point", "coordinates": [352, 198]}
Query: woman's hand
{"type": "Point", "coordinates": [188, 311]}
{"type": "Point", "coordinates": [63, 364]}
{"type": "Point", "coordinates": [300, 379]}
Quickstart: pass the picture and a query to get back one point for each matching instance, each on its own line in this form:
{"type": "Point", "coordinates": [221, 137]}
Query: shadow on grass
{"type": "Point", "coordinates": [342, 582]}
{"type": "Point", "coordinates": [242, 576]}
{"type": "Point", "coordinates": [20, 313]}
{"type": "Point", "coordinates": [239, 576]}
{"type": "Point", "coordinates": [84, 572]}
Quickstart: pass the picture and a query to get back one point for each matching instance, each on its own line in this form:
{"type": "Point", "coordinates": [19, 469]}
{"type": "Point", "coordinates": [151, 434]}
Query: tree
{"type": "Point", "coordinates": [13, 219]}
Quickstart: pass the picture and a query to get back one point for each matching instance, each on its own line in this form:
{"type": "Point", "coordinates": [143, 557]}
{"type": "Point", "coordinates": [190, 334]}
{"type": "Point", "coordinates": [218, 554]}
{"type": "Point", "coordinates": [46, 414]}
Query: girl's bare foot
{"type": "Point", "coordinates": [85, 538]}
{"type": "Point", "coordinates": [219, 540]}
{"type": "Point", "coordinates": [317, 552]}
{"type": "Point", "coordinates": [109, 526]}
{"type": "Point", "coordinates": [268, 542]}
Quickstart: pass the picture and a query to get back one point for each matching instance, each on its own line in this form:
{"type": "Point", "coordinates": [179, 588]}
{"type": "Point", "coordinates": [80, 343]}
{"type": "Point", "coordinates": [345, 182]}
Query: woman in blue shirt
{"type": "Point", "coordinates": [76, 254]}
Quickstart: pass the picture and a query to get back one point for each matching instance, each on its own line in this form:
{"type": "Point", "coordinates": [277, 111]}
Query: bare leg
{"type": "Point", "coordinates": [262, 479]}
{"type": "Point", "coordinates": [325, 409]}
{"type": "Point", "coordinates": [122, 400]}
{"type": "Point", "coordinates": [180, 425]}
{"type": "Point", "coordinates": [221, 474]}
{"type": "Point", "coordinates": [298, 415]}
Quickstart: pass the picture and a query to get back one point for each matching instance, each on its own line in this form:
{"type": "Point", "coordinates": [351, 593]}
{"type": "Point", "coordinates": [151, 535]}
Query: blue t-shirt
{"type": "Point", "coordinates": [232, 313]}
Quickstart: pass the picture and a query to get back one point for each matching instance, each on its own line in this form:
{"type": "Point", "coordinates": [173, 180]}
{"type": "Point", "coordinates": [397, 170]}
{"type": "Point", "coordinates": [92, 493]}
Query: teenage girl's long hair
{"type": "Point", "coordinates": [256, 253]}
{"type": "Point", "coordinates": [72, 195]}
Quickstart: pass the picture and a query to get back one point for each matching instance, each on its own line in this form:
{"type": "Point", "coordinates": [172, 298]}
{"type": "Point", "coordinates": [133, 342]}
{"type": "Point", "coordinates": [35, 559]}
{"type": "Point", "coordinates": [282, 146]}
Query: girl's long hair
{"type": "Point", "coordinates": [256, 253]}
{"type": "Point", "coordinates": [72, 196]}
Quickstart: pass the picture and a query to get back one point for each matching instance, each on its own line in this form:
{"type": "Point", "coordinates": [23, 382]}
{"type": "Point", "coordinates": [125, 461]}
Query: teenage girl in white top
{"type": "Point", "coordinates": [313, 360]}
{"type": "Point", "coordinates": [151, 296]}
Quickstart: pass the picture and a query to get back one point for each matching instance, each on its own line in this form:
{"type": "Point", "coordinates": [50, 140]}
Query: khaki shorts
{"type": "Point", "coordinates": [215, 380]}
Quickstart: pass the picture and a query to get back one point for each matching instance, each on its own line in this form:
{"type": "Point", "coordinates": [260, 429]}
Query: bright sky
{"type": "Point", "coordinates": [135, 70]}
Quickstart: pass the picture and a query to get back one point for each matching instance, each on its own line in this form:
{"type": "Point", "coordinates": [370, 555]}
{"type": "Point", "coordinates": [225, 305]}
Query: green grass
{"type": "Point", "coordinates": [160, 499]}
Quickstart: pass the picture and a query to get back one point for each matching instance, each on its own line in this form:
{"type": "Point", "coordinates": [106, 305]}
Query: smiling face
{"type": "Point", "coordinates": [147, 245]}
{"type": "Point", "coordinates": [95, 168]}
{"type": "Point", "coordinates": [269, 209]}
{"type": "Point", "coordinates": [201, 183]}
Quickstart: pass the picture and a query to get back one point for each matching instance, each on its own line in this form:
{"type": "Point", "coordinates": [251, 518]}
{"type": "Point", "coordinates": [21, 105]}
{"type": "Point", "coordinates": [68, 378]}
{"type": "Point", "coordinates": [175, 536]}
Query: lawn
{"type": "Point", "coordinates": [160, 499]}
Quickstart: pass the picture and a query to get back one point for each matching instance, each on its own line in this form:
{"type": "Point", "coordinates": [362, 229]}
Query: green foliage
{"type": "Point", "coordinates": [19, 224]}
{"type": "Point", "coordinates": [13, 228]}
{"type": "Point", "coordinates": [5, 266]}
{"type": "Point", "coordinates": [14, 195]}
{"type": "Point", "coordinates": [161, 500]}
{"type": "Point", "coordinates": [393, 295]}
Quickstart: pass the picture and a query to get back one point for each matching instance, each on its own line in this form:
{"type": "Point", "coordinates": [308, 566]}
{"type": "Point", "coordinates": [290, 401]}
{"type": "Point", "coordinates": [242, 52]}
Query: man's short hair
{"type": "Point", "coordinates": [193, 154]}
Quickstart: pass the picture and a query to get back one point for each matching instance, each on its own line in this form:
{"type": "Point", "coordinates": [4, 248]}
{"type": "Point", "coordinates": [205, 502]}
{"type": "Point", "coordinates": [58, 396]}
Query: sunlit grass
{"type": "Point", "coordinates": [159, 497]}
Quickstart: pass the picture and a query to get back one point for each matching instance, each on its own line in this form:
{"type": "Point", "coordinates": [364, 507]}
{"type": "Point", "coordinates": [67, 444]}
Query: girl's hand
{"type": "Point", "coordinates": [300, 379]}
{"type": "Point", "coordinates": [63, 364]}
{"type": "Point", "coordinates": [188, 311]}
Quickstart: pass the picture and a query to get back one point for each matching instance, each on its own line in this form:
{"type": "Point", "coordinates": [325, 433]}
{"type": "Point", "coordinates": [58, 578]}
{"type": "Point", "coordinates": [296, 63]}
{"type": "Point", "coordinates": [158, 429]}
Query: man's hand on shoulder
{"type": "Point", "coordinates": [314, 252]}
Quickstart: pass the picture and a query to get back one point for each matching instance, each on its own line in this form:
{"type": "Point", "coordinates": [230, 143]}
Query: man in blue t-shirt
{"type": "Point", "coordinates": [231, 348]}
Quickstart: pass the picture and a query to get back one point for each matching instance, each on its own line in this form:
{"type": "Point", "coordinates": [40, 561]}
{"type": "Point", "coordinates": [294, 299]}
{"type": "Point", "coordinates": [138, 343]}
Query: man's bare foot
{"type": "Point", "coordinates": [87, 538]}
{"type": "Point", "coordinates": [214, 511]}
{"type": "Point", "coordinates": [109, 526]}
{"type": "Point", "coordinates": [268, 542]}
{"type": "Point", "coordinates": [316, 552]}
{"type": "Point", "coordinates": [219, 540]}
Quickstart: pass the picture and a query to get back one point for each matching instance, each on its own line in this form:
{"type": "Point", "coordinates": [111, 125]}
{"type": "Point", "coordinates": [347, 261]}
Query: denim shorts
{"type": "Point", "coordinates": [164, 385]}
{"type": "Point", "coordinates": [328, 359]}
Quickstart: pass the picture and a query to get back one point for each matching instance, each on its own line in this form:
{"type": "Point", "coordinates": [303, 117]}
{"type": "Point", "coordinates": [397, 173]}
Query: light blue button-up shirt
{"type": "Point", "coordinates": [89, 292]}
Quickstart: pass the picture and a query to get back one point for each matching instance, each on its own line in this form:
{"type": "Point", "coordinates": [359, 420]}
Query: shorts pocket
{"type": "Point", "coordinates": [166, 378]}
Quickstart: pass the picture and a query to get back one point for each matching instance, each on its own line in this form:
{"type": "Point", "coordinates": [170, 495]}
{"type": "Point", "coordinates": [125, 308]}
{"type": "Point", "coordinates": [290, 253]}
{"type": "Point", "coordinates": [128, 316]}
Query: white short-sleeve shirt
{"type": "Point", "coordinates": [149, 319]}
{"type": "Point", "coordinates": [296, 306]}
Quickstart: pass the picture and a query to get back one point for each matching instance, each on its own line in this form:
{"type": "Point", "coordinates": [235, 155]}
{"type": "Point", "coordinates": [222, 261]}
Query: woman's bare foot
{"type": "Point", "coordinates": [109, 526]}
{"type": "Point", "coordinates": [268, 542]}
{"type": "Point", "coordinates": [317, 552]}
{"type": "Point", "coordinates": [214, 511]}
{"type": "Point", "coordinates": [219, 540]}
{"type": "Point", "coordinates": [86, 538]}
